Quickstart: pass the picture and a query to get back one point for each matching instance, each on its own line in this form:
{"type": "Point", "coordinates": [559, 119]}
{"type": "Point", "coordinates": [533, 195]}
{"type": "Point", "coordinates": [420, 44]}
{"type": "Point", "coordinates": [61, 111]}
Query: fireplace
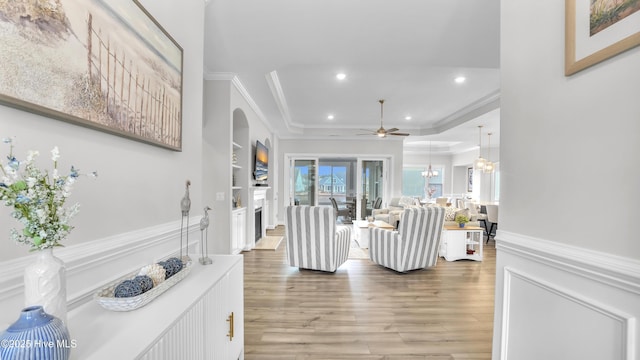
{"type": "Point", "coordinates": [260, 205]}
{"type": "Point", "coordinates": [258, 224]}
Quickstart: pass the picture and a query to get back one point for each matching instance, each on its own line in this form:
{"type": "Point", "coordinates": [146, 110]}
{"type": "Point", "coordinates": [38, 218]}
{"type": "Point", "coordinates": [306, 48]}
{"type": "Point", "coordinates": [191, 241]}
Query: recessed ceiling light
{"type": "Point", "coordinates": [460, 79]}
{"type": "Point", "coordinates": [407, 118]}
{"type": "Point", "coordinates": [330, 117]}
{"type": "Point", "coordinates": [341, 76]}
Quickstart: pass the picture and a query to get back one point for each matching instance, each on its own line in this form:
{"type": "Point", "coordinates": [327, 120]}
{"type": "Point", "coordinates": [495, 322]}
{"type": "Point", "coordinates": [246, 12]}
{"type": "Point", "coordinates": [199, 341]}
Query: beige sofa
{"type": "Point", "coordinates": [392, 213]}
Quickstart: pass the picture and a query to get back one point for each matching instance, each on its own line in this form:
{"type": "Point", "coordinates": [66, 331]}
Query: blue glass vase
{"type": "Point", "coordinates": [35, 335]}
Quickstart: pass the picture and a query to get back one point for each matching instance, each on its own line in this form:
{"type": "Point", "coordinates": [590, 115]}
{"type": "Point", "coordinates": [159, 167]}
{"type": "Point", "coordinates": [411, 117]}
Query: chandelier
{"type": "Point", "coordinates": [480, 162]}
{"type": "Point", "coordinates": [489, 166]}
{"type": "Point", "coordinates": [429, 173]}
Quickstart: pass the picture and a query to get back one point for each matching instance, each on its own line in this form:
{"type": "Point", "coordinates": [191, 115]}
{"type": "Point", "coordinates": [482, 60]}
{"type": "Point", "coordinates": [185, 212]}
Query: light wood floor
{"type": "Point", "coordinates": [364, 311]}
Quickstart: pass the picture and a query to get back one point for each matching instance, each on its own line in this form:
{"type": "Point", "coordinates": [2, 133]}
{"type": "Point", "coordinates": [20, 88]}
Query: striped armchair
{"type": "Point", "coordinates": [416, 243]}
{"type": "Point", "coordinates": [313, 239]}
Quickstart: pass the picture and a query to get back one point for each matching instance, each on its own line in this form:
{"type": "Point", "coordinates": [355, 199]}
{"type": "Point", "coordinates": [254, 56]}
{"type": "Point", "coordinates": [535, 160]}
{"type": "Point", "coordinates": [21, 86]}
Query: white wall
{"type": "Point", "coordinates": [139, 185]}
{"type": "Point", "coordinates": [568, 252]}
{"type": "Point", "coordinates": [482, 183]}
{"type": "Point", "coordinates": [223, 94]}
{"type": "Point", "coordinates": [216, 160]}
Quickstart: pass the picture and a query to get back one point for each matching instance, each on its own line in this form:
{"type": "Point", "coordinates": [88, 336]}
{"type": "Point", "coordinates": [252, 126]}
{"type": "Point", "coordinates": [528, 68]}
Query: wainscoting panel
{"type": "Point", "coordinates": [93, 264]}
{"type": "Point", "coordinates": [555, 301]}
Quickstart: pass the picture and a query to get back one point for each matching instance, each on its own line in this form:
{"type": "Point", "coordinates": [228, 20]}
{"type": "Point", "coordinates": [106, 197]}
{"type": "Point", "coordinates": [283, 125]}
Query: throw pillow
{"type": "Point", "coordinates": [406, 201]}
{"type": "Point", "coordinates": [450, 213]}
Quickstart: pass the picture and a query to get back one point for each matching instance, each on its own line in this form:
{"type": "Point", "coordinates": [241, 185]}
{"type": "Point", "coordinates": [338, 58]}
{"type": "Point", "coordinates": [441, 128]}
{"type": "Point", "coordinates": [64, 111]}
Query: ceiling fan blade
{"type": "Point", "coordinates": [392, 130]}
{"type": "Point", "coordinates": [398, 134]}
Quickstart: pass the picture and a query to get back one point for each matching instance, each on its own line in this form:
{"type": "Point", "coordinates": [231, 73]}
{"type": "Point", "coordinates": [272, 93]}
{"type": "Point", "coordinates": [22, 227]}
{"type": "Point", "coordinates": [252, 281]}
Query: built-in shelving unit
{"type": "Point", "coordinates": [236, 173]}
{"type": "Point", "coordinates": [240, 150]}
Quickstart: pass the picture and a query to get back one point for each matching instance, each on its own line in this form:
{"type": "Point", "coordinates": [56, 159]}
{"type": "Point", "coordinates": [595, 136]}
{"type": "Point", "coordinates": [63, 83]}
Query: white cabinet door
{"type": "Point", "coordinates": [455, 244]}
{"type": "Point", "coordinates": [238, 230]}
{"type": "Point", "coordinates": [234, 231]}
{"type": "Point", "coordinates": [235, 296]}
{"type": "Point", "coordinates": [225, 308]}
{"type": "Point", "coordinates": [183, 340]}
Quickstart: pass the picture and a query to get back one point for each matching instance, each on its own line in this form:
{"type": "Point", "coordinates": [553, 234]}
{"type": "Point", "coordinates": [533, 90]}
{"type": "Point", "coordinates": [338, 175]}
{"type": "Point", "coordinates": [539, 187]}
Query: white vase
{"type": "Point", "coordinates": [45, 284]}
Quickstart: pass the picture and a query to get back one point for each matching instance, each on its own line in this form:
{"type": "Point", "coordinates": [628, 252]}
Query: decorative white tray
{"type": "Point", "coordinates": [107, 300]}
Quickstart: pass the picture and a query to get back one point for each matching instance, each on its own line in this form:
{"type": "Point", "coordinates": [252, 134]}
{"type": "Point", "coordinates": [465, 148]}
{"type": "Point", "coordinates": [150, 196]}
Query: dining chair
{"type": "Point", "coordinates": [475, 213]}
{"type": "Point", "coordinates": [492, 217]}
{"type": "Point", "coordinates": [343, 212]}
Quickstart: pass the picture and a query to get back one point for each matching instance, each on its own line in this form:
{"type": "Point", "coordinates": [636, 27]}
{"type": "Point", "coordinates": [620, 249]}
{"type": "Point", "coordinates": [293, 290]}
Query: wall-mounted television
{"type": "Point", "coordinates": [261, 165]}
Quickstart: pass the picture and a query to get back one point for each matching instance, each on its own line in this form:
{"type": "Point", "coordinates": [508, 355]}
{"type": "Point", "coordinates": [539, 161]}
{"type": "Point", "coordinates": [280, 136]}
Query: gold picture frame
{"type": "Point", "coordinates": [588, 42]}
{"type": "Point", "coordinates": [104, 65]}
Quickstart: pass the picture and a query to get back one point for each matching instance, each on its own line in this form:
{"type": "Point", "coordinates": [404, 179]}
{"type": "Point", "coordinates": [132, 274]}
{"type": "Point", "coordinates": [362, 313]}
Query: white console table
{"type": "Point", "coordinates": [192, 320]}
{"type": "Point", "coordinates": [461, 243]}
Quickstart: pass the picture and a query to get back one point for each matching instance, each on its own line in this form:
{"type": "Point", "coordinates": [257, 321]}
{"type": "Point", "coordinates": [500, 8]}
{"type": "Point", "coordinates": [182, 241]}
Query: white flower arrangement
{"type": "Point", "coordinates": [38, 199]}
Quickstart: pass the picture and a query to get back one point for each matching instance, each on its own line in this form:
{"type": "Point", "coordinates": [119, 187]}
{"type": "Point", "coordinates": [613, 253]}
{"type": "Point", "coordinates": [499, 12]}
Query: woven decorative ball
{"type": "Point", "coordinates": [169, 268]}
{"type": "Point", "coordinates": [177, 263]}
{"type": "Point", "coordinates": [156, 272]}
{"type": "Point", "coordinates": [144, 281]}
{"type": "Point", "coordinates": [127, 288]}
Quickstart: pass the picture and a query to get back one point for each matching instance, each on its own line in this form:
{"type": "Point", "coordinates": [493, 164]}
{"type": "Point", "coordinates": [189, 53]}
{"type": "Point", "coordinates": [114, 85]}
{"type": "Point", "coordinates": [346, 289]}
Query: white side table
{"type": "Point", "coordinates": [361, 230]}
{"type": "Point", "coordinates": [461, 243]}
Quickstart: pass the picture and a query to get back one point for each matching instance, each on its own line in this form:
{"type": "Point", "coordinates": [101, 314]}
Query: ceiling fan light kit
{"type": "Point", "coordinates": [382, 132]}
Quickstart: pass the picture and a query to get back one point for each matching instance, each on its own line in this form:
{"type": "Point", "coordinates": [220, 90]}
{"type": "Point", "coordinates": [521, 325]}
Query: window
{"type": "Point", "coordinates": [414, 184]}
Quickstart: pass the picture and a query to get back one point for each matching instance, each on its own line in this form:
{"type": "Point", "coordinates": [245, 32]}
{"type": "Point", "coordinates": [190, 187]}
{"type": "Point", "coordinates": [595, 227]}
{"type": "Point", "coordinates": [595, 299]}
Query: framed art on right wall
{"type": "Point", "coordinates": [596, 30]}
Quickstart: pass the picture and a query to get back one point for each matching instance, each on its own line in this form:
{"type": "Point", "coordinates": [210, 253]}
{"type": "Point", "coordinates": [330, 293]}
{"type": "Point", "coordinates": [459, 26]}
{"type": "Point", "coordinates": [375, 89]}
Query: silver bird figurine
{"type": "Point", "coordinates": [185, 206]}
{"type": "Point", "coordinates": [204, 235]}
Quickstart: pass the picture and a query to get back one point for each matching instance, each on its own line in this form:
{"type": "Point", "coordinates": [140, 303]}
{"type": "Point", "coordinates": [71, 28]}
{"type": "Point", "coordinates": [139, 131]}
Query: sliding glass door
{"type": "Point", "coordinates": [353, 182]}
{"type": "Point", "coordinates": [372, 185]}
{"type": "Point", "coordinates": [303, 182]}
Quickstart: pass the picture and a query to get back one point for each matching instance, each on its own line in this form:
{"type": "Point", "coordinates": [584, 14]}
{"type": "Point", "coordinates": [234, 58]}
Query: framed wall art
{"type": "Point", "coordinates": [107, 65]}
{"type": "Point", "coordinates": [469, 179]}
{"type": "Point", "coordinates": [596, 30]}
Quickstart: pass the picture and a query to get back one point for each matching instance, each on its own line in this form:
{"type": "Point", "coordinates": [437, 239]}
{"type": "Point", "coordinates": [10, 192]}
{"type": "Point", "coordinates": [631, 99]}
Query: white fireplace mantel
{"type": "Point", "coordinates": [258, 197]}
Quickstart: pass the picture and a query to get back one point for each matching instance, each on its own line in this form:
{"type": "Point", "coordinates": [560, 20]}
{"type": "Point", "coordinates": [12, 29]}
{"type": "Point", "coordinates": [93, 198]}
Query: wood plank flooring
{"type": "Point", "coordinates": [364, 311]}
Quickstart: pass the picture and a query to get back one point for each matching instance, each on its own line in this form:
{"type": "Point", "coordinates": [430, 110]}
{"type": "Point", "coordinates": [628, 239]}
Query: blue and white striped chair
{"type": "Point", "coordinates": [314, 241]}
{"type": "Point", "coordinates": [416, 243]}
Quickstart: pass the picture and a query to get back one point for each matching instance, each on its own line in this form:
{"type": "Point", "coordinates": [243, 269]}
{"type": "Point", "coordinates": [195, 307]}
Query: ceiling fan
{"type": "Point", "coordinates": [382, 132]}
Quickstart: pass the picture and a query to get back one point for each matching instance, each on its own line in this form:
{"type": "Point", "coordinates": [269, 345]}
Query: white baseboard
{"type": "Point", "coordinates": [93, 264]}
{"type": "Point", "coordinates": [555, 300]}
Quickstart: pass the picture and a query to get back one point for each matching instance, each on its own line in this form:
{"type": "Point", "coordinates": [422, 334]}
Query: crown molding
{"type": "Point", "coordinates": [235, 80]}
{"type": "Point", "coordinates": [281, 101]}
{"type": "Point", "coordinates": [467, 113]}
{"type": "Point", "coordinates": [219, 76]}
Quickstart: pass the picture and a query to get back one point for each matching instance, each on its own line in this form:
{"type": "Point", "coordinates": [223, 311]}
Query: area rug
{"type": "Point", "coordinates": [358, 253]}
{"type": "Point", "coordinates": [269, 242]}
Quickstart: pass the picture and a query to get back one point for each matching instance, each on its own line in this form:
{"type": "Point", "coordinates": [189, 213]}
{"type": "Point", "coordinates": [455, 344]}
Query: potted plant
{"type": "Point", "coordinates": [461, 220]}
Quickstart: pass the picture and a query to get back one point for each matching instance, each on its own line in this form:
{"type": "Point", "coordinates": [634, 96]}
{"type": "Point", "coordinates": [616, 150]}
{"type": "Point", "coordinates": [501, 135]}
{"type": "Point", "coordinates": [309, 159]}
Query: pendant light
{"type": "Point", "coordinates": [480, 161]}
{"type": "Point", "coordinates": [489, 166]}
{"type": "Point", "coordinates": [429, 173]}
